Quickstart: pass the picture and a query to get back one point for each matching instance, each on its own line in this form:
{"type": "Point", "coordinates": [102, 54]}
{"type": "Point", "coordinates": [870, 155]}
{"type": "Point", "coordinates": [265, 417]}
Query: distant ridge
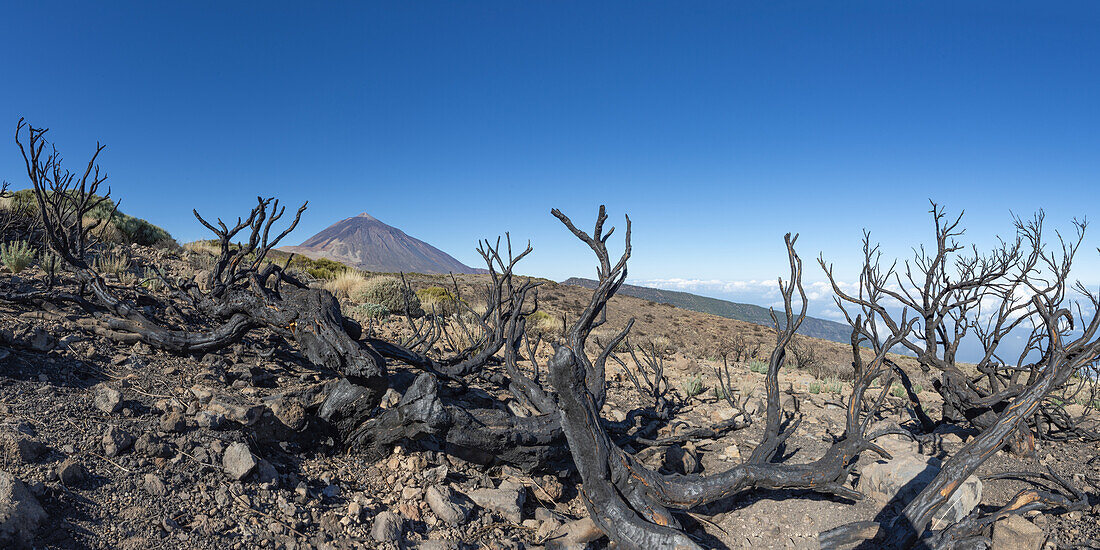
{"type": "Point", "coordinates": [366, 243]}
{"type": "Point", "coordinates": [811, 326]}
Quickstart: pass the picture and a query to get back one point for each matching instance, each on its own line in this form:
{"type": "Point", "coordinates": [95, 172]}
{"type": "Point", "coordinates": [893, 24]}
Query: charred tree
{"type": "Point", "coordinates": [955, 292]}
{"type": "Point", "coordinates": [246, 291]}
{"type": "Point", "coordinates": [631, 502]}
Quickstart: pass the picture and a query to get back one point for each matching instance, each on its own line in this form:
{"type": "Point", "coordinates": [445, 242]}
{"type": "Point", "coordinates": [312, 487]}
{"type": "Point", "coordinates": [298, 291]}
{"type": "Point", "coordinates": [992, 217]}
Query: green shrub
{"type": "Point", "coordinates": [150, 280]}
{"type": "Point", "coordinates": [324, 268]}
{"type": "Point", "coordinates": [115, 264]}
{"type": "Point", "coordinates": [832, 386]}
{"type": "Point", "coordinates": [16, 255]}
{"type": "Point", "coordinates": [390, 293]}
{"type": "Point", "coordinates": [369, 311]}
{"type": "Point", "coordinates": [437, 299]}
{"type": "Point", "coordinates": [130, 230]}
{"type": "Point", "coordinates": [815, 387]}
{"type": "Point", "coordinates": [51, 264]}
{"type": "Point", "coordinates": [720, 394]}
{"type": "Point", "coordinates": [694, 386]}
{"type": "Point", "coordinates": [758, 366]}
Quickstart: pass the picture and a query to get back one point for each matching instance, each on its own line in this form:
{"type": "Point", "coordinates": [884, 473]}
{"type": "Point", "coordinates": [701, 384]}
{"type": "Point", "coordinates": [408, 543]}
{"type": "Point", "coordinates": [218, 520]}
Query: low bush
{"type": "Point", "coordinates": [123, 228]}
{"type": "Point", "coordinates": [363, 312]}
{"type": "Point", "coordinates": [50, 264]}
{"type": "Point", "coordinates": [118, 265]}
{"type": "Point", "coordinates": [437, 299]}
{"type": "Point", "coordinates": [16, 255]}
{"type": "Point", "coordinates": [758, 366]}
{"type": "Point", "coordinates": [694, 386]}
{"type": "Point", "coordinates": [390, 293]}
{"type": "Point", "coordinates": [324, 268]}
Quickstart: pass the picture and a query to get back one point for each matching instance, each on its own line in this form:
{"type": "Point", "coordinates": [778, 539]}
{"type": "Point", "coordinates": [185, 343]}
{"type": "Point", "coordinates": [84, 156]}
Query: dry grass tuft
{"type": "Point", "coordinates": [543, 323]}
{"type": "Point", "coordinates": [346, 283]}
{"type": "Point", "coordinates": [202, 247]}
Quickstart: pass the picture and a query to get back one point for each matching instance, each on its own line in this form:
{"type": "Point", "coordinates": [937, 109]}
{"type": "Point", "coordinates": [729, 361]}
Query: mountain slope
{"type": "Point", "coordinates": [366, 243]}
{"type": "Point", "coordinates": [812, 326]}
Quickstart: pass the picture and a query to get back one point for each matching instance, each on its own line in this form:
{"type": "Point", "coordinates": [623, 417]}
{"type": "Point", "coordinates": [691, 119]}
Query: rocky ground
{"type": "Point", "coordinates": [122, 446]}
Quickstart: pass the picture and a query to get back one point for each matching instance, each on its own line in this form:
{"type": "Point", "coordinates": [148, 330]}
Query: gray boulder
{"type": "Point", "coordinates": [1017, 533]}
{"type": "Point", "coordinates": [445, 504]}
{"type": "Point", "coordinates": [107, 399]}
{"type": "Point", "coordinates": [387, 527]}
{"type": "Point", "coordinates": [238, 461]}
{"type": "Point", "coordinates": [115, 440]}
{"type": "Point", "coordinates": [507, 500]}
{"type": "Point", "coordinates": [20, 513]}
{"type": "Point", "coordinates": [20, 448]}
{"type": "Point", "coordinates": [899, 480]}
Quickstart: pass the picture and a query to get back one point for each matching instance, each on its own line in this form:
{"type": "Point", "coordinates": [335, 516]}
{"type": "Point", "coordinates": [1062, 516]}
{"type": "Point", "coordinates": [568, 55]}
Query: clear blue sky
{"type": "Point", "coordinates": [718, 126]}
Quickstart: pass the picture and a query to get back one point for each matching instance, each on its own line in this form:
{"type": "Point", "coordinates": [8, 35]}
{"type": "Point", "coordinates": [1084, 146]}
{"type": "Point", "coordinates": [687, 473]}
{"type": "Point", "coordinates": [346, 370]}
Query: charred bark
{"type": "Point", "coordinates": [632, 503]}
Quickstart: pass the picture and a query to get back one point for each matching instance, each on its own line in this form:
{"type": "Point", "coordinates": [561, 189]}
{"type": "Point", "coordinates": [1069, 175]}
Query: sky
{"type": "Point", "coordinates": [717, 126]}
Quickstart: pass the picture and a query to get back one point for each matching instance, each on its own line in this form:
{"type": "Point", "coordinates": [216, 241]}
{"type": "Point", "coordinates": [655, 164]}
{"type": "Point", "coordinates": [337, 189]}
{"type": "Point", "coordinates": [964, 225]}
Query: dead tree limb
{"type": "Point", "coordinates": [955, 292]}
{"type": "Point", "coordinates": [246, 291]}
{"type": "Point", "coordinates": [629, 501]}
{"type": "Point", "coordinates": [1067, 352]}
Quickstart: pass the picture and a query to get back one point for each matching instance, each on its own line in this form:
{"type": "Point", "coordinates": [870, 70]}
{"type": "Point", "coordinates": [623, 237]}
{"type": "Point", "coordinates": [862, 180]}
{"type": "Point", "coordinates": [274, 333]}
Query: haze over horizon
{"type": "Point", "coordinates": [717, 127]}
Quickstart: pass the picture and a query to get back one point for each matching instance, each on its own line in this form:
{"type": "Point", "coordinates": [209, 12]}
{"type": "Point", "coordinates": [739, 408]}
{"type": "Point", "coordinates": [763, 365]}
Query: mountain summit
{"type": "Point", "coordinates": [366, 243]}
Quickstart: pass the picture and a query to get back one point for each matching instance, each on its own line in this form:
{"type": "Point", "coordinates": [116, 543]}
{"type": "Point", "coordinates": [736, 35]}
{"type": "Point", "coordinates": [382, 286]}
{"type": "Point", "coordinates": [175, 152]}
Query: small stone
{"type": "Point", "coordinates": [107, 399]}
{"type": "Point", "coordinates": [238, 461]}
{"type": "Point", "coordinates": [575, 534]}
{"type": "Point", "coordinates": [437, 545]}
{"type": "Point", "coordinates": [173, 422]}
{"type": "Point", "coordinates": [442, 500]}
{"type": "Point", "coordinates": [291, 413]}
{"type": "Point", "coordinates": [266, 472]}
{"type": "Point", "coordinates": [952, 439]}
{"type": "Point", "coordinates": [731, 453]}
{"type": "Point", "coordinates": [152, 447]}
{"type": "Point", "coordinates": [20, 448]}
{"type": "Point", "coordinates": [1017, 533]}
{"type": "Point", "coordinates": [507, 500]}
{"type": "Point", "coordinates": [154, 486]}
{"type": "Point", "coordinates": [210, 420]}
{"type": "Point", "coordinates": [72, 472]}
{"type": "Point", "coordinates": [387, 527]}
{"type": "Point", "coordinates": [390, 399]}
{"type": "Point", "coordinates": [549, 487]}
{"type": "Point", "coordinates": [681, 459]}
{"type": "Point", "coordinates": [221, 497]}
{"type": "Point", "coordinates": [437, 474]}
{"type": "Point", "coordinates": [115, 440]}
{"type": "Point", "coordinates": [901, 478]}
{"type": "Point", "coordinates": [40, 340]}
{"type": "Point", "coordinates": [232, 409]}
{"type": "Point", "coordinates": [409, 510]}
{"type": "Point", "coordinates": [21, 513]}
{"type": "Point", "coordinates": [355, 510]}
